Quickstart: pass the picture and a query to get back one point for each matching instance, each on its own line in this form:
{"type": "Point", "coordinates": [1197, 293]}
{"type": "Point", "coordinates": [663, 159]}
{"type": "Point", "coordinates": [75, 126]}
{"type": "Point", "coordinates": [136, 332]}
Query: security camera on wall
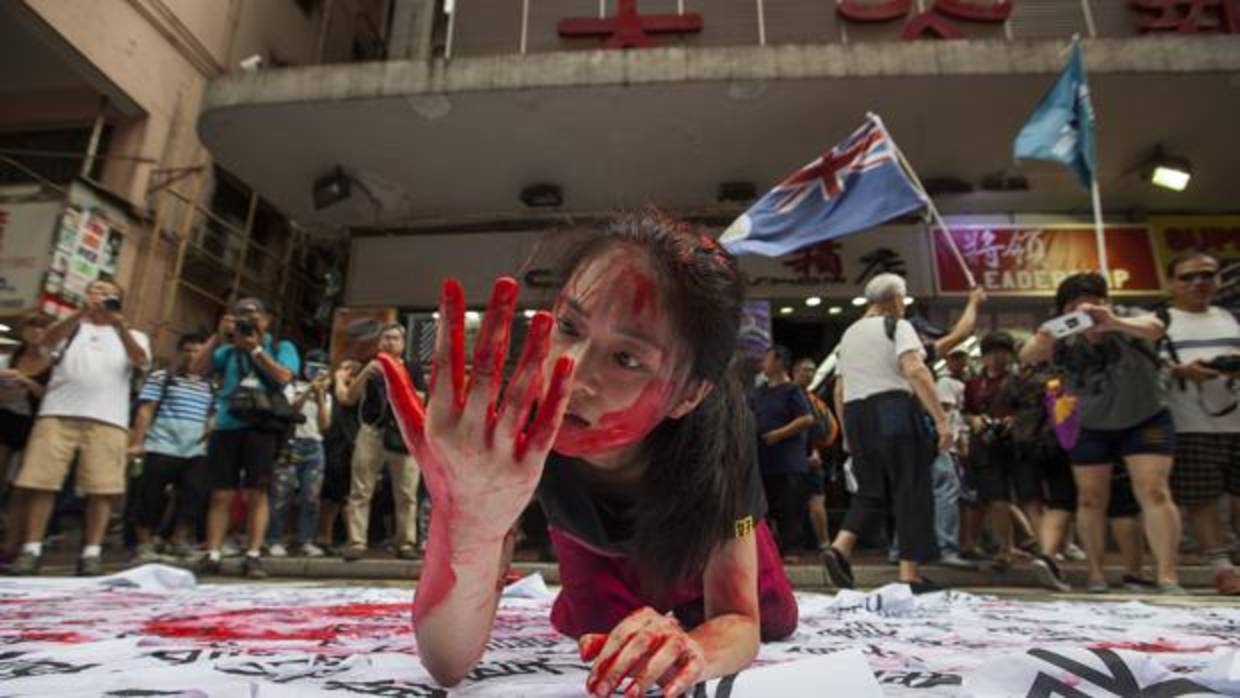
{"type": "Point", "coordinates": [252, 63]}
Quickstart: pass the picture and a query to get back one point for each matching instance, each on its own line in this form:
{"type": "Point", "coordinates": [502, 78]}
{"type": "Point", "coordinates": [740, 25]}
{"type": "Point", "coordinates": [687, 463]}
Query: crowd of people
{"type": "Point", "coordinates": [1029, 454]}
{"type": "Point", "coordinates": [1128, 428]}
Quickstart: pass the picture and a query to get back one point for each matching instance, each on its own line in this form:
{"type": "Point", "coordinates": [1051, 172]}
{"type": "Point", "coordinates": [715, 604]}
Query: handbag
{"type": "Point", "coordinates": [255, 404]}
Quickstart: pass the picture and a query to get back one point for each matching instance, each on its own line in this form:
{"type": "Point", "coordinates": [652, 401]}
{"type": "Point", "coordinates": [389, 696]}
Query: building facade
{"type": "Point", "coordinates": [102, 170]}
{"type": "Point", "coordinates": [491, 122]}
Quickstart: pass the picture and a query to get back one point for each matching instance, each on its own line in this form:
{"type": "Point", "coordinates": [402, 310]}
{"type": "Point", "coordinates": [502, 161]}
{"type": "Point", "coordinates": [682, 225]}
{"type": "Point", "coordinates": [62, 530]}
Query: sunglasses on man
{"type": "Point", "coordinates": [1194, 276]}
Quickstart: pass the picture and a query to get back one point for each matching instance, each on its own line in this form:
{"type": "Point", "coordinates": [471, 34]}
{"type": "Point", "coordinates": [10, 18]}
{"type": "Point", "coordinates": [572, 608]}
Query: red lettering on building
{"type": "Point", "coordinates": [1188, 16]}
{"type": "Point", "coordinates": [822, 259]}
{"type": "Point", "coordinates": [934, 23]}
{"type": "Point", "coordinates": [629, 28]}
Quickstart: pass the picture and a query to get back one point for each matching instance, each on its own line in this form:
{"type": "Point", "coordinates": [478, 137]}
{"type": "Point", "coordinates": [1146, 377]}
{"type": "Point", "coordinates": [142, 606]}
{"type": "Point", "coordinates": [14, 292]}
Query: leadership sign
{"type": "Point", "coordinates": [1032, 260]}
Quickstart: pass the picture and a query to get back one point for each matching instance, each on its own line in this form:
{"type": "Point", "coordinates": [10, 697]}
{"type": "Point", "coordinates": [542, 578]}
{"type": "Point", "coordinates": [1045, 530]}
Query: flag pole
{"type": "Point", "coordinates": [934, 211]}
{"type": "Point", "coordinates": [1099, 232]}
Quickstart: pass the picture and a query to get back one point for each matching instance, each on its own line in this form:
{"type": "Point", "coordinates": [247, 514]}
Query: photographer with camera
{"type": "Point", "coordinates": [379, 442]}
{"type": "Point", "coordinates": [84, 414]}
{"type": "Point", "coordinates": [1203, 348]}
{"type": "Point", "coordinates": [1113, 372]}
{"type": "Point", "coordinates": [301, 471]}
{"type": "Point", "coordinates": [252, 417]}
{"type": "Point", "coordinates": [1001, 473]}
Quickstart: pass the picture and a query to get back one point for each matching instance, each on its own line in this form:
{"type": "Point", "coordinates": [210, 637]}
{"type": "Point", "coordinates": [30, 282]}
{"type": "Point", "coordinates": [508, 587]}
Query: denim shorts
{"type": "Point", "coordinates": [1154, 436]}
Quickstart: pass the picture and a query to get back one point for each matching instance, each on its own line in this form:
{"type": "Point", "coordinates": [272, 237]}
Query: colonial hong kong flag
{"type": "Point", "coordinates": [856, 185]}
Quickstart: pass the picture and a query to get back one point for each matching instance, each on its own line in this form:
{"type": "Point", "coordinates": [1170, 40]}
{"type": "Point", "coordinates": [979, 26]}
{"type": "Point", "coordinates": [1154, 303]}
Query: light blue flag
{"type": "Point", "coordinates": [1062, 125]}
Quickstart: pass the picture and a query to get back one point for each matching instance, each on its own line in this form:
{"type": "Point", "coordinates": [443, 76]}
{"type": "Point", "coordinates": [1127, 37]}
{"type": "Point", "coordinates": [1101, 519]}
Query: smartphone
{"type": "Point", "coordinates": [1068, 325]}
{"type": "Point", "coordinates": [314, 369]}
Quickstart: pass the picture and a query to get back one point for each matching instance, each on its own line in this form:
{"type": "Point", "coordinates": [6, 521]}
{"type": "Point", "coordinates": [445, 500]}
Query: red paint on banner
{"type": "Point", "coordinates": [281, 624]}
{"type": "Point", "coordinates": [1158, 647]}
{"type": "Point", "coordinates": [52, 636]}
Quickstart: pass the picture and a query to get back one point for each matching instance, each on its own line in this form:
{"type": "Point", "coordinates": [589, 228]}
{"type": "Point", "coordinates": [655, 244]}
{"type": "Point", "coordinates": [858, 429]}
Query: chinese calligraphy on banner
{"type": "Point", "coordinates": [1032, 260]}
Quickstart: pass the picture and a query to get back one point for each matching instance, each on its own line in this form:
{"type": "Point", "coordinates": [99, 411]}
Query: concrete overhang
{"type": "Point", "coordinates": [435, 142]}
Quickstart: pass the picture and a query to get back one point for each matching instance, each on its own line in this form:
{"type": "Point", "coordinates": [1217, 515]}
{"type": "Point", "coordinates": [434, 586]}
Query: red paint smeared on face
{"type": "Point", "coordinates": [313, 623]}
{"type": "Point", "coordinates": [642, 289]}
{"type": "Point", "coordinates": [616, 429]}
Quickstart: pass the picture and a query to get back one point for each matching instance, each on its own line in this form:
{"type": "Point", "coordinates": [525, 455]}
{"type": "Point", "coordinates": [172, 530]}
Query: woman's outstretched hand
{"type": "Point", "coordinates": [481, 456]}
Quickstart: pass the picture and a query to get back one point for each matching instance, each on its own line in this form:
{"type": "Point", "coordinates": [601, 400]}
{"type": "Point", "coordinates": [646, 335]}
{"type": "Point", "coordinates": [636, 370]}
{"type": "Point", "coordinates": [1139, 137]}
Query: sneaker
{"type": "Point", "coordinates": [230, 549]}
{"type": "Point", "coordinates": [407, 552]}
{"type": "Point", "coordinates": [277, 550]}
{"type": "Point", "coordinates": [1227, 582]}
{"type": "Point", "coordinates": [1170, 589]}
{"type": "Point", "coordinates": [353, 553]}
{"type": "Point", "coordinates": [26, 564]}
{"type": "Point", "coordinates": [1097, 586]}
{"type": "Point", "coordinates": [1134, 583]}
{"type": "Point", "coordinates": [252, 568]}
{"type": "Point", "coordinates": [90, 566]}
{"type": "Point", "coordinates": [146, 553]}
{"type": "Point", "coordinates": [205, 565]}
{"type": "Point", "coordinates": [310, 550]}
{"type": "Point", "coordinates": [924, 586]}
{"type": "Point", "coordinates": [1047, 572]}
{"type": "Point", "coordinates": [1073, 552]}
{"type": "Point", "coordinates": [954, 561]}
{"type": "Point", "coordinates": [839, 570]}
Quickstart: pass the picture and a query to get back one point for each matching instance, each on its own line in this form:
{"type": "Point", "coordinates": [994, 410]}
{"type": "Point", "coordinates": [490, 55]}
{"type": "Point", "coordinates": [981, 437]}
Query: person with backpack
{"type": "Point", "coordinates": [379, 443]}
{"type": "Point", "coordinates": [84, 415]}
{"type": "Point", "coordinates": [1113, 372]}
{"type": "Point", "coordinates": [252, 417]}
{"type": "Point", "coordinates": [1203, 348]}
{"type": "Point", "coordinates": [885, 393]}
{"type": "Point", "coordinates": [169, 435]}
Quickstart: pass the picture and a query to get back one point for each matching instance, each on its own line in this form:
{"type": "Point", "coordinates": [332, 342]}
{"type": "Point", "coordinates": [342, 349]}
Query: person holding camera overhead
{"type": "Point", "coordinates": [1203, 347]}
{"type": "Point", "coordinates": [84, 414]}
{"type": "Point", "coordinates": [252, 417]}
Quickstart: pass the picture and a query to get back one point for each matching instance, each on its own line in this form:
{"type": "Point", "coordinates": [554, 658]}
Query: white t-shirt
{"type": "Point", "coordinates": [92, 380]}
{"type": "Point", "coordinates": [1203, 336]}
{"type": "Point", "coordinates": [869, 362]}
{"type": "Point", "coordinates": [951, 396]}
{"type": "Point", "coordinates": [308, 429]}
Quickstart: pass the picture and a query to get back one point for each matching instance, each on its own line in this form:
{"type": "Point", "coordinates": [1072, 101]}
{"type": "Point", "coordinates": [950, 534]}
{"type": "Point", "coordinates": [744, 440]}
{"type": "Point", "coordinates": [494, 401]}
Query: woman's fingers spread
{"type": "Point", "coordinates": [449, 350]}
{"type": "Point", "coordinates": [663, 657]}
{"type": "Point", "coordinates": [551, 410]}
{"type": "Point", "coordinates": [410, 415]}
{"type": "Point", "coordinates": [491, 351]}
{"type": "Point", "coordinates": [526, 384]}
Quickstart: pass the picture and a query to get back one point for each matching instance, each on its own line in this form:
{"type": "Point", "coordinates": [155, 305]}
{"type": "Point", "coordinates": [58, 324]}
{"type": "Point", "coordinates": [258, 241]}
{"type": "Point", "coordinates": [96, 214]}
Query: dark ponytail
{"type": "Point", "coordinates": [696, 486]}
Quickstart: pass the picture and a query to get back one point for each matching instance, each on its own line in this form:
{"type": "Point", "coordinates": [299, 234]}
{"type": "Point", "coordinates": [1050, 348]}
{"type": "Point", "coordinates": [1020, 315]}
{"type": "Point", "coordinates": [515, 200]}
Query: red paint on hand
{"type": "Point", "coordinates": [590, 644]}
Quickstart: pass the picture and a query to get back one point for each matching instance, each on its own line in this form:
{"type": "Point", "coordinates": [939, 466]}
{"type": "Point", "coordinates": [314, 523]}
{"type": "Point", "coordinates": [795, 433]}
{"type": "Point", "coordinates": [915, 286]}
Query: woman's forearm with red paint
{"type": "Point", "coordinates": [648, 647]}
{"type": "Point", "coordinates": [481, 465]}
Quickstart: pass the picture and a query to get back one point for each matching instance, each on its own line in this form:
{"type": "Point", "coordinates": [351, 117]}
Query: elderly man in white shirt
{"type": "Point", "coordinates": [883, 377]}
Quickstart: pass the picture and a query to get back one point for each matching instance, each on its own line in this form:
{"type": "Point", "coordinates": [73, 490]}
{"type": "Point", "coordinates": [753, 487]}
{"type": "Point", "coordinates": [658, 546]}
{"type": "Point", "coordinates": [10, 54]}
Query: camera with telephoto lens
{"type": "Point", "coordinates": [993, 431]}
{"type": "Point", "coordinates": [1229, 363]}
{"type": "Point", "coordinates": [112, 304]}
{"type": "Point", "coordinates": [246, 328]}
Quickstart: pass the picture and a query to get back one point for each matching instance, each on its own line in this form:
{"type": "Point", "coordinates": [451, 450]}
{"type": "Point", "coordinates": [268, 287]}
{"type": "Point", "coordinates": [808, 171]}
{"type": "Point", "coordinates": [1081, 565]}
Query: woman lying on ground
{"type": "Point", "coordinates": [640, 449]}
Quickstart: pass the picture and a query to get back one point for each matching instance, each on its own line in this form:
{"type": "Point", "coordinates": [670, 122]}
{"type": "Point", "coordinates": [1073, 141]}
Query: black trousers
{"type": "Point", "coordinates": [187, 476]}
{"type": "Point", "coordinates": [787, 495]}
{"type": "Point", "coordinates": [892, 453]}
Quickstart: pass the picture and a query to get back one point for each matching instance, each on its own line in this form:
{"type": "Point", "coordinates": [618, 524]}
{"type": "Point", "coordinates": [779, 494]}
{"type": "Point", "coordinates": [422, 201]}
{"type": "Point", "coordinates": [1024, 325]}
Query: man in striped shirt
{"type": "Point", "coordinates": [169, 434]}
{"type": "Point", "coordinates": [1204, 401]}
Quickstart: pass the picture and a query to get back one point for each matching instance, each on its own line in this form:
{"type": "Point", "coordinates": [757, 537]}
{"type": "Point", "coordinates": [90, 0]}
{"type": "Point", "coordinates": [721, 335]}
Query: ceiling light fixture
{"type": "Point", "coordinates": [1169, 171]}
{"type": "Point", "coordinates": [834, 310]}
{"type": "Point", "coordinates": [813, 301]}
{"type": "Point", "coordinates": [331, 188]}
{"type": "Point", "coordinates": [786, 310]}
{"type": "Point", "coordinates": [859, 301]}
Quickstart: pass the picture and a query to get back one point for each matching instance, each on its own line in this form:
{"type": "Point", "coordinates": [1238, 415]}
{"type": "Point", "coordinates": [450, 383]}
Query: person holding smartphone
{"type": "Point", "coordinates": [84, 415]}
{"type": "Point", "coordinates": [300, 473]}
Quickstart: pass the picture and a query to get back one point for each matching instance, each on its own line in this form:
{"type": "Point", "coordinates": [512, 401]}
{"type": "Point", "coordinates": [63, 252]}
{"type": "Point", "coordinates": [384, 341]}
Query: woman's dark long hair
{"type": "Point", "coordinates": [696, 485]}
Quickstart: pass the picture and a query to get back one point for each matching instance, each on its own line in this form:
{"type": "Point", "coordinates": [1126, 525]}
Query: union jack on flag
{"type": "Point", "coordinates": [858, 184]}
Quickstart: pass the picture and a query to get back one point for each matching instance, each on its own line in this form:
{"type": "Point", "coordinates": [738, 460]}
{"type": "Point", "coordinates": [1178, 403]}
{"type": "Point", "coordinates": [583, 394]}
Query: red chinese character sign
{"type": "Point", "coordinates": [1188, 16]}
{"type": "Point", "coordinates": [629, 28]}
{"type": "Point", "coordinates": [935, 22]}
{"type": "Point", "coordinates": [840, 268]}
{"type": "Point", "coordinates": [1016, 260]}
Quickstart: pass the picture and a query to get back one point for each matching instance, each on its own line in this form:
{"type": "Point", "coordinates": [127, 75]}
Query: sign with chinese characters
{"type": "Point", "coordinates": [1188, 16]}
{"type": "Point", "coordinates": [26, 229]}
{"type": "Point", "coordinates": [940, 21]}
{"type": "Point", "coordinates": [629, 28]}
{"type": "Point", "coordinates": [841, 267]}
{"type": "Point", "coordinates": [1032, 260]}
